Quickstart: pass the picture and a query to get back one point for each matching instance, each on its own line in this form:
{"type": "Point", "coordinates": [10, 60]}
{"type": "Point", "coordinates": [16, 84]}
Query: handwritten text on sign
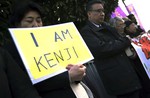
{"type": "Point", "coordinates": [47, 50]}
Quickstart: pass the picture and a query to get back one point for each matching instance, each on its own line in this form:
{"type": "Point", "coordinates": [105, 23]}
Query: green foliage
{"type": "Point", "coordinates": [60, 11]}
{"type": "Point", "coordinates": [110, 6]}
{"type": "Point", "coordinates": [56, 11]}
{"type": "Point", "coordinates": [5, 11]}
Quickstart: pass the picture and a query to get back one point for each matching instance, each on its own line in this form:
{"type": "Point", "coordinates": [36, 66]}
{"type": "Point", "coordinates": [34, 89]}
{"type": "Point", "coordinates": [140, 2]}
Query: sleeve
{"type": "Point", "coordinates": [102, 48]}
{"type": "Point", "coordinates": [57, 82]}
{"type": "Point", "coordinates": [20, 84]}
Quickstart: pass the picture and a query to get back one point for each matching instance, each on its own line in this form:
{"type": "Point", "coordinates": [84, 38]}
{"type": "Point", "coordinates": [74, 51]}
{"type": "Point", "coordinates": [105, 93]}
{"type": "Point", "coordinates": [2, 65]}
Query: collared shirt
{"type": "Point", "coordinates": [97, 25]}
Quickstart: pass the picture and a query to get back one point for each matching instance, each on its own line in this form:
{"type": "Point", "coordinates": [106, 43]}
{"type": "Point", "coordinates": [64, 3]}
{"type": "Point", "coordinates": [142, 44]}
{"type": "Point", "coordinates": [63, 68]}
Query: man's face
{"type": "Point", "coordinates": [96, 14]}
{"type": "Point", "coordinates": [31, 19]}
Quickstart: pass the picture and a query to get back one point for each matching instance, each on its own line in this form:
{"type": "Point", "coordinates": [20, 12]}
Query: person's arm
{"type": "Point", "coordinates": [57, 82]}
{"type": "Point", "coordinates": [63, 80]}
{"type": "Point", "coordinates": [101, 48]}
{"type": "Point", "coordinates": [20, 84]}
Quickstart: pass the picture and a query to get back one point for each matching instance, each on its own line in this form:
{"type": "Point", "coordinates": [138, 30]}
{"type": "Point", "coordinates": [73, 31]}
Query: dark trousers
{"type": "Point", "coordinates": [135, 94]}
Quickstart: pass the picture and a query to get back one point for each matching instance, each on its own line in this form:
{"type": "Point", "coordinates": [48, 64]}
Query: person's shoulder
{"type": "Point", "coordinates": [84, 28]}
{"type": "Point", "coordinates": [107, 26]}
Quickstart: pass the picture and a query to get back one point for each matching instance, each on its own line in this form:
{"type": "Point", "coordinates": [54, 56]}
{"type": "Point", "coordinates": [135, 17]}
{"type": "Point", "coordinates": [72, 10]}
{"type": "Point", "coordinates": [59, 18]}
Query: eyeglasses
{"type": "Point", "coordinates": [98, 10]}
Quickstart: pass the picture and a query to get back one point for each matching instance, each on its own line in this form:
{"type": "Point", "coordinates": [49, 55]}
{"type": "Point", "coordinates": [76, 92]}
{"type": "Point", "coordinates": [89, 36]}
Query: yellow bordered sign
{"type": "Point", "coordinates": [47, 50]}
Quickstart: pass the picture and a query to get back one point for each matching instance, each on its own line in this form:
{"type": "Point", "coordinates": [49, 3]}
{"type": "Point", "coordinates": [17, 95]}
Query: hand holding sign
{"type": "Point", "coordinates": [76, 72]}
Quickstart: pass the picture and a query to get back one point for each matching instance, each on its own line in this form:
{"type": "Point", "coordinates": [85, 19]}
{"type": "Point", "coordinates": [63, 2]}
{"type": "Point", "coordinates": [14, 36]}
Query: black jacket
{"type": "Point", "coordinates": [110, 59]}
{"type": "Point", "coordinates": [13, 82]}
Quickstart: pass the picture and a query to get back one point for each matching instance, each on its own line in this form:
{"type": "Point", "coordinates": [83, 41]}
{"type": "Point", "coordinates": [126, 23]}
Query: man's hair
{"type": "Point", "coordinates": [90, 3]}
{"type": "Point", "coordinates": [113, 21]}
{"type": "Point", "coordinates": [21, 10]}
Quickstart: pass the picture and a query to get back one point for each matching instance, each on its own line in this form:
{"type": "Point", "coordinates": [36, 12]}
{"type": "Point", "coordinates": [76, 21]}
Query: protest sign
{"type": "Point", "coordinates": [142, 47]}
{"type": "Point", "coordinates": [46, 51]}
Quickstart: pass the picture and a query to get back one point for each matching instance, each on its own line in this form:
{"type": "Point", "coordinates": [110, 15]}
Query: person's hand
{"type": "Point", "coordinates": [76, 72]}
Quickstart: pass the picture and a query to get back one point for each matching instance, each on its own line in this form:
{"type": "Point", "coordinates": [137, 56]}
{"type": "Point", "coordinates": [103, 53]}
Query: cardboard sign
{"type": "Point", "coordinates": [46, 51]}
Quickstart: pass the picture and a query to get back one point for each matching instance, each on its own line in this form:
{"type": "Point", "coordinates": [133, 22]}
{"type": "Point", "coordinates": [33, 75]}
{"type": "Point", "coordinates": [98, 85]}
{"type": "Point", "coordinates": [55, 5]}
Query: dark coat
{"type": "Point", "coordinates": [55, 87]}
{"type": "Point", "coordinates": [13, 82]}
{"type": "Point", "coordinates": [145, 81]}
{"type": "Point", "coordinates": [111, 61]}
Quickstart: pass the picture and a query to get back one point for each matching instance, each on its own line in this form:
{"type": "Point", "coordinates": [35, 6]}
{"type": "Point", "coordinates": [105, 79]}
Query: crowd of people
{"type": "Point", "coordinates": [115, 72]}
{"type": "Point", "coordinates": [129, 27]}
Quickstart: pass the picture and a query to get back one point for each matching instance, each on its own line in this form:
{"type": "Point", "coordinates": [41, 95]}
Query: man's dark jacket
{"type": "Point", "coordinates": [110, 59]}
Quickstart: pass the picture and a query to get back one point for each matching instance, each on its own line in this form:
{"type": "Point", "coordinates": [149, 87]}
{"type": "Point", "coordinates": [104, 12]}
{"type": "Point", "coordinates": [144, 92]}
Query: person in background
{"type": "Point", "coordinates": [13, 82]}
{"type": "Point", "coordinates": [118, 24]}
{"type": "Point", "coordinates": [131, 30]}
{"type": "Point", "coordinates": [29, 14]}
{"type": "Point", "coordinates": [133, 19]}
{"type": "Point", "coordinates": [108, 48]}
{"type": "Point", "coordinates": [148, 31]}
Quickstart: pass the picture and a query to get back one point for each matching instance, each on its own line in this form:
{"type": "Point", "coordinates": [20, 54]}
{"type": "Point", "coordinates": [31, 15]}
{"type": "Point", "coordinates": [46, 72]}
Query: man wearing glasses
{"type": "Point", "coordinates": [107, 47]}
